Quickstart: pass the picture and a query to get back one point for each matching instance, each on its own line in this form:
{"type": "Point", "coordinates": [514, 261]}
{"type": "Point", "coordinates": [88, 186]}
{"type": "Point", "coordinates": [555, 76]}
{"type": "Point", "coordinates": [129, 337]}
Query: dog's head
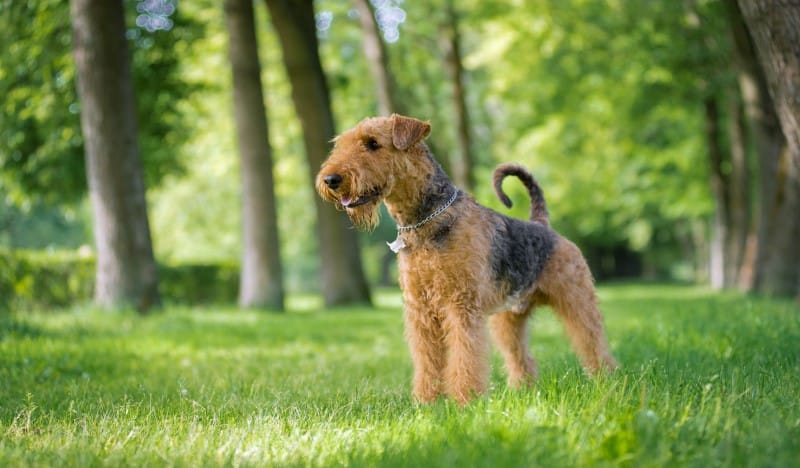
{"type": "Point", "coordinates": [368, 162]}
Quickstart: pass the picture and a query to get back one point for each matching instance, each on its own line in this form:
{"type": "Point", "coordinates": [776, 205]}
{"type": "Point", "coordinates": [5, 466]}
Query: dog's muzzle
{"type": "Point", "coordinates": [333, 181]}
{"type": "Point", "coordinates": [352, 202]}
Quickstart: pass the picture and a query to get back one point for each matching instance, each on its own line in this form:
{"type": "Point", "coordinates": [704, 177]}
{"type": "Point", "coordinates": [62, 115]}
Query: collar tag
{"type": "Point", "coordinates": [398, 244]}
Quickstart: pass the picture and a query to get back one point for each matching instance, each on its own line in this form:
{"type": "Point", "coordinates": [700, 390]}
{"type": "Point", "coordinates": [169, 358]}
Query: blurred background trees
{"type": "Point", "coordinates": [657, 129]}
{"type": "Point", "coordinates": [261, 279]}
{"type": "Point", "coordinates": [341, 272]}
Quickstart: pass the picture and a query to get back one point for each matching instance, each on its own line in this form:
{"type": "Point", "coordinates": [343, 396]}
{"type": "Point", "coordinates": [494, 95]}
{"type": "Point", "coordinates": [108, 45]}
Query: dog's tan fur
{"type": "Point", "coordinates": [449, 267]}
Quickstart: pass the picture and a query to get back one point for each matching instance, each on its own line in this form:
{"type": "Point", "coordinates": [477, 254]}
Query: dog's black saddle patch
{"type": "Point", "coordinates": [520, 250]}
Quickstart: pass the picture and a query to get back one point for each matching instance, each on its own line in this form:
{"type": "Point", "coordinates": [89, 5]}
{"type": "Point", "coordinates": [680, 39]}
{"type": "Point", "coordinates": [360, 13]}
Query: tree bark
{"type": "Point", "coordinates": [462, 160]}
{"type": "Point", "coordinates": [126, 268]}
{"type": "Point", "coordinates": [768, 64]}
{"type": "Point", "coordinates": [343, 280]}
{"type": "Point", "coordinates": [777, 264]}
{"type": "Point", "coordinates": [261, 282]}
{"type": "Point", "coordinates": [774, 27]}
{"type": "Point", "coordinates": [738, 190]}
{"type": "Point", "coordinates": [719, 183]}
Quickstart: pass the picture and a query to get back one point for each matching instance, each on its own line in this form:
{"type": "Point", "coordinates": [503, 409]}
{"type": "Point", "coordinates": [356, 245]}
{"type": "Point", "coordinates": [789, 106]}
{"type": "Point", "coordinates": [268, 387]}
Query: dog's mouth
{"type": "Point", "coordinates": [355, 201]}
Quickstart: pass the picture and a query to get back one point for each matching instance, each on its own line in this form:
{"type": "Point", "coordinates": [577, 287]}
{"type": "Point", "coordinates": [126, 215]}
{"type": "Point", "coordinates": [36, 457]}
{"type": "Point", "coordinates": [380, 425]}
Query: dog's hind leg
{"type": "Point", "coordinates": [568, 286]}
{"type": "Point", "coordinates": [510, 333]}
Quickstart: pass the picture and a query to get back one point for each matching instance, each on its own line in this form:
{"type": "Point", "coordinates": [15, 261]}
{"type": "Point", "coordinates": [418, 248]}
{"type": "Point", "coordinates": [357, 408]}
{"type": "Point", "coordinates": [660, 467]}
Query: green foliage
{"type": "Point", "coordinates": [41, 226]}
{"type": "Point", "coordinates": [310, 388]}
{"type": "Point", "coordinates": [41, 145]}
{"type": "Point", "coordinates": [602, 101]}
{"type": "Point", "coordinates": [40, 137]}
{"type": "Point", "coordinates": [40, 280]}
{"type": "Point", "coordinates": [200, 283]}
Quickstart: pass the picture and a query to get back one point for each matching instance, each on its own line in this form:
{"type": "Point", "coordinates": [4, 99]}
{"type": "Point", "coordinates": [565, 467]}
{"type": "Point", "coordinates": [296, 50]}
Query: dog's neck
{"type": "Point", "coordinates": [424, 198]}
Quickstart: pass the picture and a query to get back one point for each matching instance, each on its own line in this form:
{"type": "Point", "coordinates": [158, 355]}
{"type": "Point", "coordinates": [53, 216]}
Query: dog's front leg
{"type": "Point", "coordinates": [467, 371]}
{"type": "Point", "coordinates": [426, 343]}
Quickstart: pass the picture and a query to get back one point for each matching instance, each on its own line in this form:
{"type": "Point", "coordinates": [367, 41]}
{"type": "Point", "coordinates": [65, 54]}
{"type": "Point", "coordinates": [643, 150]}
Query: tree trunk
{"type": "Point", "coordinates": [126, 269]}
{"type": "Point", "coordinates": [738, 196]}
{"type": "Point", "coordinates": [261, 282]}
{"type": "Point", "coordinates": [377, 58]}
{"type": "Point", "coordinates": [719, 184]}
{"type": "Point", "coordinates": [774, 27]}
{"type": "Point", "coordinates": [462, 160]}
{"type": "Point", "coordinates": [343, 280]}
{"type": "Point", "coordinates": [765, 89]}
{"type": "Point", "coordinates": [778, 262]}
{"type": "Point", "coordinates": [730, 186]}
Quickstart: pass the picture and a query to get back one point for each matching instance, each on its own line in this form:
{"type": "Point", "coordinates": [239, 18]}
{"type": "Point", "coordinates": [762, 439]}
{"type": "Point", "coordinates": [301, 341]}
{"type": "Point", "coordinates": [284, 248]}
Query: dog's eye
{"type": "Point", "coordinates": [371, 144]}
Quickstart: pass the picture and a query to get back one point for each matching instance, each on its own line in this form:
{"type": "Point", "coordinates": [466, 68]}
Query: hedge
{"type": "Point", "coordinates": [209, 283]}
{"type": "Point", "coordinates": [32, 279]}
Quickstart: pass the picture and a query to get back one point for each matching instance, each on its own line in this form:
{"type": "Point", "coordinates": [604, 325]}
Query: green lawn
{"type": "Point", "coordinates": [707, 380]}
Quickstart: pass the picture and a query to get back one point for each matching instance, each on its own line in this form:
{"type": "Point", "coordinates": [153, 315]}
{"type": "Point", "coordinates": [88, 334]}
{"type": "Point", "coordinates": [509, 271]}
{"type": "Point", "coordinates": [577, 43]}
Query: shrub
{"type": "Point", "coordinates": [31, 279]}
{"type": "Point", "coordinates": [210, 283]}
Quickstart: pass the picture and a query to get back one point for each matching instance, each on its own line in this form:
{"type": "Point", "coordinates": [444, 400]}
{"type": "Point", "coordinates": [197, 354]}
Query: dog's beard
{"type": "Point", "coordinates": [365, 217]}
{"type": "Point", "coordinates": [330, 197]}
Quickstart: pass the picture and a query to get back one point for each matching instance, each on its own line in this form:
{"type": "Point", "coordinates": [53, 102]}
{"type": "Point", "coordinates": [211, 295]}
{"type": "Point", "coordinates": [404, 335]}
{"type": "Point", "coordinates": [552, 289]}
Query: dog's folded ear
{"type": "Point", "coordinates": [407, 132]}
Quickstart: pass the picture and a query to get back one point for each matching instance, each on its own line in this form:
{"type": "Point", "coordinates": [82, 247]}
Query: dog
{"type": "Point", "coordinates": [466, 271]}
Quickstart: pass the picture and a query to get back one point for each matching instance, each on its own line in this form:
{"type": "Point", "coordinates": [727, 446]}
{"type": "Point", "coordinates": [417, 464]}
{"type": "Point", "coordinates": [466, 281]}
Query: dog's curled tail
{"type": "Point", "coordinates": [538, 206]}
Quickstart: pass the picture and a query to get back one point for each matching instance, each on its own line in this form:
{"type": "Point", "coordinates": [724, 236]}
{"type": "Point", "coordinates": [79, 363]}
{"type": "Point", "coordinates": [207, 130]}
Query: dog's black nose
{"type": "Point", "coordinates": [333, 181]}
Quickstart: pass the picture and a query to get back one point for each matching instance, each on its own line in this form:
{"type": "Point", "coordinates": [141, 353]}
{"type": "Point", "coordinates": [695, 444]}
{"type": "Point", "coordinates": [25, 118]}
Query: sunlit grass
{"type": "Point", "coordinates": [707, 380]}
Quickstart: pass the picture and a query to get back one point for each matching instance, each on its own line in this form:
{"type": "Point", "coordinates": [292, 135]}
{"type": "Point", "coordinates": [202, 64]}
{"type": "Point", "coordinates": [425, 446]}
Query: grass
{"type": "Point", "coordinates": [708, 380]}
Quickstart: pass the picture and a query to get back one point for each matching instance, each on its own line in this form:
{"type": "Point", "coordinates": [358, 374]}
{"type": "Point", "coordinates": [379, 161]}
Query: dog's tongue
{"type": "Point", "coordinates": [346, 201]}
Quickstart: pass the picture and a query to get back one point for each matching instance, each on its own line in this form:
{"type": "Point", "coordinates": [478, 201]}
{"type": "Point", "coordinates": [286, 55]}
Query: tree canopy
{"type": "Point", "coordinates": [41, 148]}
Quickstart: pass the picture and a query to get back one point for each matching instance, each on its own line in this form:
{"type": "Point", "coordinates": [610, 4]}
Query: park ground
{"type": "Point", "coordinates": [708, 379]}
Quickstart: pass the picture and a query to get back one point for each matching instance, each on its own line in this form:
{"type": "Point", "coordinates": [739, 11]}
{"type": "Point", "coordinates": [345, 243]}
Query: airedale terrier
{"type": "Point", "coordinates": [460, 262]}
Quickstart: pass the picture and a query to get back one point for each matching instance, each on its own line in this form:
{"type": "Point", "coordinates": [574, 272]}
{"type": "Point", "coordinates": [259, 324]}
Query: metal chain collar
{"type": "Point", "coordinates": [430, 216]}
